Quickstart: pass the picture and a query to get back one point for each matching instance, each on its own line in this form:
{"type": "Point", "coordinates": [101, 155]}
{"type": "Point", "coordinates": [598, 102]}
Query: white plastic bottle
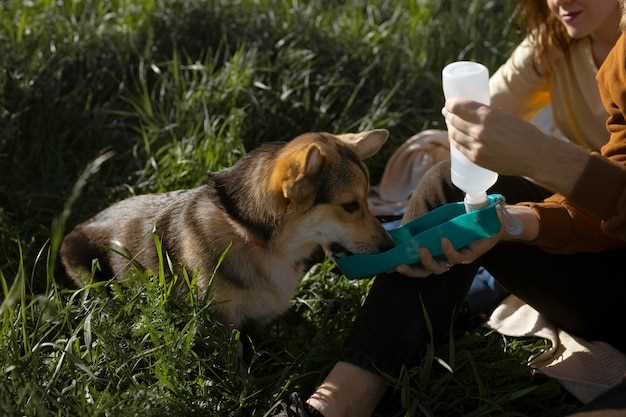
{"type": "Point", "coordinates": [468, 80]}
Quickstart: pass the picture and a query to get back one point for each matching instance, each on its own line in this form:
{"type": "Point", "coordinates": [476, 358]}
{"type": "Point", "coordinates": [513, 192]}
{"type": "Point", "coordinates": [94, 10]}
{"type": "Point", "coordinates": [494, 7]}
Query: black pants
{"type": "Point", "coordinates": [579, 293]}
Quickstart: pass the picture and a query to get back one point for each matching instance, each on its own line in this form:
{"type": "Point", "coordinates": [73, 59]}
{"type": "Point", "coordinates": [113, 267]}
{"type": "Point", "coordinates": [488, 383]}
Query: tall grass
{"type": "Point", "coordinates": [169, 90]}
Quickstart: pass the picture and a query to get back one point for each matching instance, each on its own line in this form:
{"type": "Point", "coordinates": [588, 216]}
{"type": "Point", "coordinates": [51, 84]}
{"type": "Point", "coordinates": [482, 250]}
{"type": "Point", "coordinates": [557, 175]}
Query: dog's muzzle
{"type": "Point", "coordinates": [337, 249]}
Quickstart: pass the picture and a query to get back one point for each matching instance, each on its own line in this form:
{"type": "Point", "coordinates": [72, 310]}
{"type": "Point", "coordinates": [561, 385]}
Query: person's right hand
{"type": "Point", "coordinates": [494, 139]}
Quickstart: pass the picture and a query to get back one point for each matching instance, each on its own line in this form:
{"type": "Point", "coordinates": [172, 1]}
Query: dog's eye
{"type": "Point", "coordinates": [351, 207]}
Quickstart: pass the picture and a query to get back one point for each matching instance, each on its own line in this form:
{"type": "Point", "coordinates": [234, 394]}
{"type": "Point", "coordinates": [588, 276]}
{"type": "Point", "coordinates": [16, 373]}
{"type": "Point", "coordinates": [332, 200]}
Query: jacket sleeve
{"type": "Point", "coordinates": [566, 226]}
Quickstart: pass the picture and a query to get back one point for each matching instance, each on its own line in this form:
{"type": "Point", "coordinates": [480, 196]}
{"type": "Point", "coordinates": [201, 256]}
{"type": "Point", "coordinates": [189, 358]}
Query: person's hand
{"type": "Point", "coordinates": [429, 265]}
{"type": "Point", "coordinates": [514, 216]}
{"type": "Point", "coordinates": [494, 139]}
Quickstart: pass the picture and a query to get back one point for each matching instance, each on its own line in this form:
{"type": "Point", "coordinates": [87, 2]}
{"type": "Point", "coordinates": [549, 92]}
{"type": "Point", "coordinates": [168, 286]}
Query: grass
{"type": "Point", "coordinates": [156, 93]}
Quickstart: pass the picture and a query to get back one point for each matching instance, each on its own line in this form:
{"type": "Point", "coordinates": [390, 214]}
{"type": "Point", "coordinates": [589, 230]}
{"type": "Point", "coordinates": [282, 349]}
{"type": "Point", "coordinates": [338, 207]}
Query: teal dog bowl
{"type": "Point", "coordinates": [450, 221]}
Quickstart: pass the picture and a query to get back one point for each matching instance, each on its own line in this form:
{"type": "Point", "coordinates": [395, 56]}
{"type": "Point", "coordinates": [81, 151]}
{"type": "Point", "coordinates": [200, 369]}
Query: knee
{"type": "Point", "coordinates": [434, 190]}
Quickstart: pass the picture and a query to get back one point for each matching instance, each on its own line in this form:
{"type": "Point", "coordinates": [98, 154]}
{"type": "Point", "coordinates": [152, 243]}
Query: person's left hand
{"type": "Point", "coordinates": [429, 265]}
{"type": "Point", "coordinates": [494, 139]}
{"type": "Point", "coordinates": [519, 223]}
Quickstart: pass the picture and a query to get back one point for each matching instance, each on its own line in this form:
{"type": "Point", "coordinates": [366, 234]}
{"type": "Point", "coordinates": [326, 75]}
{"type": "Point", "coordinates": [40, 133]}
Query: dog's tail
{"type": "Point", "coordinates": [77, 254]}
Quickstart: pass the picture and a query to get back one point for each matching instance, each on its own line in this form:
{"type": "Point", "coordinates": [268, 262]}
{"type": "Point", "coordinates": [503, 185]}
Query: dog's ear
{"type": "Point", "coordinates": [365, 144]}
{"type": "Point", "coordinates": [296, 184]}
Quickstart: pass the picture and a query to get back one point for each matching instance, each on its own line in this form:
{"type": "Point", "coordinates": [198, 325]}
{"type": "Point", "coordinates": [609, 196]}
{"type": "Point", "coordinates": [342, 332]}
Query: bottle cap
{"type": "Point", "coordinates": [466, 79]}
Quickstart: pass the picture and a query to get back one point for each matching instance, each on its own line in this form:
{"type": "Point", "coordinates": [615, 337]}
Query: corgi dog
{"type": "Point", "coordinates": [251, 231]}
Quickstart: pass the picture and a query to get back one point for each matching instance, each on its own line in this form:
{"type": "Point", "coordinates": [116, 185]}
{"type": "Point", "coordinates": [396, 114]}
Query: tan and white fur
{"type": "Point", "coordinates": [270, 214]}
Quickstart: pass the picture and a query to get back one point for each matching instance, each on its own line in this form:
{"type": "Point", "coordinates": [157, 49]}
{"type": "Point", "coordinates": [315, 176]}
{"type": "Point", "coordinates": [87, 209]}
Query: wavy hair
{"type": "Point", "coordinates": [544, 28]}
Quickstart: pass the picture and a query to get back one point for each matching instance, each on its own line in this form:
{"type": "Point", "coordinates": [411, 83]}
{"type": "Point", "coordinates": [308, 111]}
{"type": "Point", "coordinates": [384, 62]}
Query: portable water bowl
{"type": "Point", "coordinates": [450, 221]}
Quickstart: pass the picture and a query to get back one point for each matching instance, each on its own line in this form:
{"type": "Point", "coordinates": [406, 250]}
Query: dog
{"type": "Point", "coordinates": [252, 231]}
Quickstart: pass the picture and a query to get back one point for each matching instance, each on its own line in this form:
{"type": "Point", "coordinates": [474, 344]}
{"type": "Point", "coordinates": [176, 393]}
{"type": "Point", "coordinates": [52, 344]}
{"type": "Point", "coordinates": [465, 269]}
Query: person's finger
{"type": "Point", "coordinates": [431, 264]}
{"type": "Point", "coordinates": [460, 139]}
{"type": "Point", "coordinates": [470, 111]}
{"type": "Point", "coordinates": [456, 122]}
{"type": "Point", "coordinates": [468, 256]}
{"type": "Point", "coordinates": [413, 271]}
{"type": "Point", "coordinates": [479, 247]}
{"type": "Point", "coordinates": [454, 257]}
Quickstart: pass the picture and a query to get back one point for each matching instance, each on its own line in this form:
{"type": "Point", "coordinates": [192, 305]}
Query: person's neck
{"type": "Point", "coordinates": [604, 38]}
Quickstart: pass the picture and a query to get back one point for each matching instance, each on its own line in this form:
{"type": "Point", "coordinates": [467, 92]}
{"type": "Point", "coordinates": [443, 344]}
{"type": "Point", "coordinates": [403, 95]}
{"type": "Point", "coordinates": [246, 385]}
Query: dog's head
{"type": "Point", "coordinates": [322, 181]}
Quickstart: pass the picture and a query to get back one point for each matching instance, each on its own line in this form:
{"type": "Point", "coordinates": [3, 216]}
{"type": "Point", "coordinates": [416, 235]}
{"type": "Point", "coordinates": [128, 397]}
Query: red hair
{"type": "Point", "coordinates": [545, 29]}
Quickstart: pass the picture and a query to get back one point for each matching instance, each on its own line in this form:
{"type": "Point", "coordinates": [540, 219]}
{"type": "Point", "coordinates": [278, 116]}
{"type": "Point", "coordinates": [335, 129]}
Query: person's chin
{"type": "Point", "coordinates": [576, 32]}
